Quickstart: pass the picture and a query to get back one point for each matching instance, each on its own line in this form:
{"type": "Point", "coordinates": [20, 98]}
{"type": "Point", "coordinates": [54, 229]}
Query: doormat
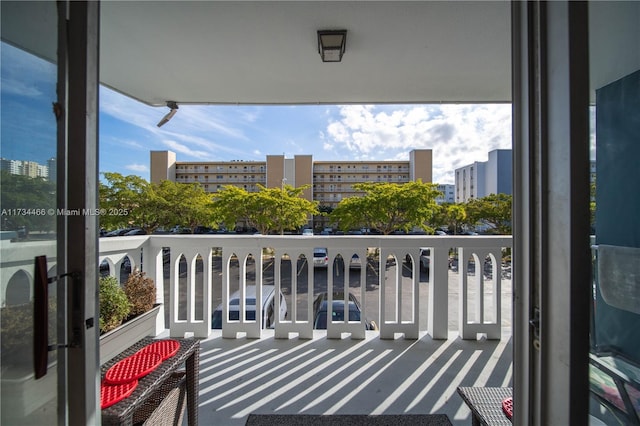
{"type": "Point", "coordinates": [348, 420]}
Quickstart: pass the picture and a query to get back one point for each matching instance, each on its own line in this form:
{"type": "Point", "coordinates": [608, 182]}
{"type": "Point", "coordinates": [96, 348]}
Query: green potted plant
{"type": "Point", "coordinates": [114, 304]}
{"type": "Point", "coordinates": [140, 320]}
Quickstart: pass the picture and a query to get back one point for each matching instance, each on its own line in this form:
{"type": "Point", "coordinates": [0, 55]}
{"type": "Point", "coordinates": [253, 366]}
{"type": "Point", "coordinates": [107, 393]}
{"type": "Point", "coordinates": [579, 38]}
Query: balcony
{"type": "Point", "coordinates": [437, 330]}
{"type": "Point", "coordinates": [330, 376]}
{"type": "Point", "coordinates": [429, 326]}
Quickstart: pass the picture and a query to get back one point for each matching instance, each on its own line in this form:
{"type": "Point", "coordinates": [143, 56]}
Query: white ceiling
{"type": "Point", "coordinates": [265, 52]}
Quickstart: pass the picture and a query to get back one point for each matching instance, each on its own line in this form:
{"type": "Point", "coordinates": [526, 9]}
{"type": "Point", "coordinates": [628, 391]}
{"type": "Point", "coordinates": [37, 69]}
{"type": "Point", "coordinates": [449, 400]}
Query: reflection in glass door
{"type": "Point", "coordinates": [28, 176]}
{"type": "Point", "coordinates": [614, 52]}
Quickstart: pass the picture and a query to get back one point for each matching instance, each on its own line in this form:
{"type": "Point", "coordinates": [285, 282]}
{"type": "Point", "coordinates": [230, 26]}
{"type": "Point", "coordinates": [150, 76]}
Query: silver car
{"type": "Point", "coordinates": [320, 257]}
{"type": "Point", "coordinates": [268, 307]}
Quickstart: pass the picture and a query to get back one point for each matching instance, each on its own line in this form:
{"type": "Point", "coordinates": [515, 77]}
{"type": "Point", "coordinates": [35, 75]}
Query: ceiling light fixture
{"type": "Point", "coordinates": [331, 44]}
{"type": "Point", "coordinates": [174, 108]}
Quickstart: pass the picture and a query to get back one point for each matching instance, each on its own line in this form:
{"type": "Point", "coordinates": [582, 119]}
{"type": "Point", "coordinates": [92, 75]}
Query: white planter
{"type": "Point", "coordinates": [22, 396]}
{"type": "Point", "coordinates": [120, 338]}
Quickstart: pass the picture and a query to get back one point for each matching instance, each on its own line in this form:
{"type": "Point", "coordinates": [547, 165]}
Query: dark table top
{"type": "Point", "coordinates": [486, 403]}
{"type": "Point", "coordinates": [122, 411]}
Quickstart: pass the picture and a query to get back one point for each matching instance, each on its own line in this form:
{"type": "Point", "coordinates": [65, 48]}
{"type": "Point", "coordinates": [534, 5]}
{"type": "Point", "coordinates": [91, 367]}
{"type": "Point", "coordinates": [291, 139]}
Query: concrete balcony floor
{"type": "Point", "coordinates": [370, 376]}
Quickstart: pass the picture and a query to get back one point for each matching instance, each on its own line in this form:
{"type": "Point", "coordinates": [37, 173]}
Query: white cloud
{"type": "Point", "coordinates": [134, 144]}
{"type": "Point", "coordinates": [205, 120]}
{"type": "Point", "coordinates": [457, 134]}
{"type": "Point", "coordinates": [200, 131]}
{"type": "Point", "coordinates": [129, 110]}
{"type": "Point", "coordinates": [140, 168]}
{"type": "Point", "coordinates": [183, 149]}
{"type": "Point", "coordinates": [17, 87]}
{"type": "Point", "coordinates": [189, 121]}
{"type": "Point", "coordinates": [16, 66]}
{"type": "Point", "coordinates": [248, 115]}
{"type": "Point", "coordinates": [125, 142]}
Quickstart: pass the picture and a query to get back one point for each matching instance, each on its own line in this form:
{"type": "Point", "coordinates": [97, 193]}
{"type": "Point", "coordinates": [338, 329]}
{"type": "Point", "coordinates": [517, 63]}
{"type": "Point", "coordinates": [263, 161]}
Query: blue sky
{"type": "Point", "coordinates": [457, 134]}
{"type": "Point", "coordinates": [27, 90]}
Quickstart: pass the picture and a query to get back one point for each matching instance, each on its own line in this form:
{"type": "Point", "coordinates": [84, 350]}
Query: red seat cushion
{"type": "Point", "coordinates": [110, 394]}
{"type": "Point", "coordinates": [133, 367]}
{"type": "Point", "coordinates": [507, 407]}
{"type": "Point", "coordinates": [166, 348]}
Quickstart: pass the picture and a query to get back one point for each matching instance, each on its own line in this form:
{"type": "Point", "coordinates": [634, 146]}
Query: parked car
{"type": "Point", "coordinates": [136, 231]}
{"type": "Point", "coordinates": [226, 231]}
{"type": "Point", "coordinates": [320, 257]}
{"type": "Point", "coordinates": [268, 307]}
{"type": "Point", "coordinates": [104, 268]}
{"type": "Point", "coordinates": [118, 232]}
{"type": "Point", "coordinates": [204, 230]}
{"type": "Point", "coordinates": [355, 262]}
{"type": "Point", "coordinates": [425, 258]}
{"type": "Point", "coordinates": [307, 232]}
{"type": "Point", "coordinates": [180, 230]}
{"type": "Point", "coordinates": [320, 308]}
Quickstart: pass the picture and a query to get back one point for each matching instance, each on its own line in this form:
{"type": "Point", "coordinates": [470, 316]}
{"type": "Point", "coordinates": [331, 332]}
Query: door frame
{"type": "Point", "coordinates": [551, 273]}
{"type": "Point", "coordinates": [551, 181]}
{"type": "Point", "coordinates": [77, 184]}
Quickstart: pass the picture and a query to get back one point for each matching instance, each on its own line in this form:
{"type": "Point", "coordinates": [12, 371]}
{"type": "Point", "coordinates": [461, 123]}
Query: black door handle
{"type": "Point", "coordinates": [40, 317]}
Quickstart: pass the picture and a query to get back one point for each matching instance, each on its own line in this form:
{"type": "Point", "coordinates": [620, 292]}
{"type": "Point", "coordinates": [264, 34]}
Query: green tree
{"type": "Point", "coordinates": [231, 204]}
{"type": "Point", "coordinates": [351, 213]}
{"type": "Point", "coordinates": [268, 210]}
{"type": "Point", "coordinates": [26, 201]}
{"type": "Point", "coordinates": [494, 209]}
{"type": "Point", "coordinates": [184, 204]}
{"type": "Point", "coordinates": [132, 201]}
{"type": "Point", "coordinates": [453, 216]}
{"type": "Point", "coordinates": [318, 220]}
{"type": "Point", "coordinates": [324, 209]}
{"type": "Point", "coordinates": [124, 198]}
{"type": "Point", "coordinates": [388, 207]}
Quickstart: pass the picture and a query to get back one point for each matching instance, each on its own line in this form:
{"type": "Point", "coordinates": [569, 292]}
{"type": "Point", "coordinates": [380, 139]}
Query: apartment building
{"type": "Point", "coordinates": [52, 166]}
{"type": "Point", "coordinates": [25, 168]}
{"type": "Point", "coordinates": [329, 181]}
{"type": "Point", "coordinates": [448, 193]}
{"type": "Point", "coordinates": [482, 178]}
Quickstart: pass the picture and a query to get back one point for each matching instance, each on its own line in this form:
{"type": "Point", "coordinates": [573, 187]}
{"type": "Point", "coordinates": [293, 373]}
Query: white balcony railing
{"type": "Point", "coordinates": [394, 293]}
{"type": "Point", "coordinates": [396, 283]}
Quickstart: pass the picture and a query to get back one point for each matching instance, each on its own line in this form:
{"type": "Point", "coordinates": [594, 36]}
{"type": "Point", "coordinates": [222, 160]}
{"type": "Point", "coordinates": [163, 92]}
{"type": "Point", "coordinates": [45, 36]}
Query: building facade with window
{"type": "Point", "coordinates": [448, 193]}
{"type": "Point", "coordinates": [329, 181]}
{"type": "Point", "coordinates": [482, 178]}
{"type": "Point", "coordinates": [25, 168]}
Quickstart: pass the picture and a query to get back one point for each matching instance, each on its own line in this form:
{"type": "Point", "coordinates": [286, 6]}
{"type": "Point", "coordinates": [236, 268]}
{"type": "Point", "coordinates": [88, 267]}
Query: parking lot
{"type": "Point", "coordinates": [371, 302]}
{"type": "Point", "coordinates": [301, 270]}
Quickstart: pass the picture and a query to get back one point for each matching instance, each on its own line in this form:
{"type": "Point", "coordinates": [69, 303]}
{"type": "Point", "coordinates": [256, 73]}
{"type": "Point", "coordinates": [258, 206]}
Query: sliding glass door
{"type": "Point", "coordinates": [28, 200]}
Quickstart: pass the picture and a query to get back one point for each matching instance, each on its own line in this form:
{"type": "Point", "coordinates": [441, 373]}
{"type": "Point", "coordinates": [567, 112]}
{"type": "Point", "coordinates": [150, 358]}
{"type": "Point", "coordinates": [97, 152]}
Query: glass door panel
{"type": "Point", "coordinates": [614, 52]}
{"type": "Point", "coordinates": [28, 147]}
